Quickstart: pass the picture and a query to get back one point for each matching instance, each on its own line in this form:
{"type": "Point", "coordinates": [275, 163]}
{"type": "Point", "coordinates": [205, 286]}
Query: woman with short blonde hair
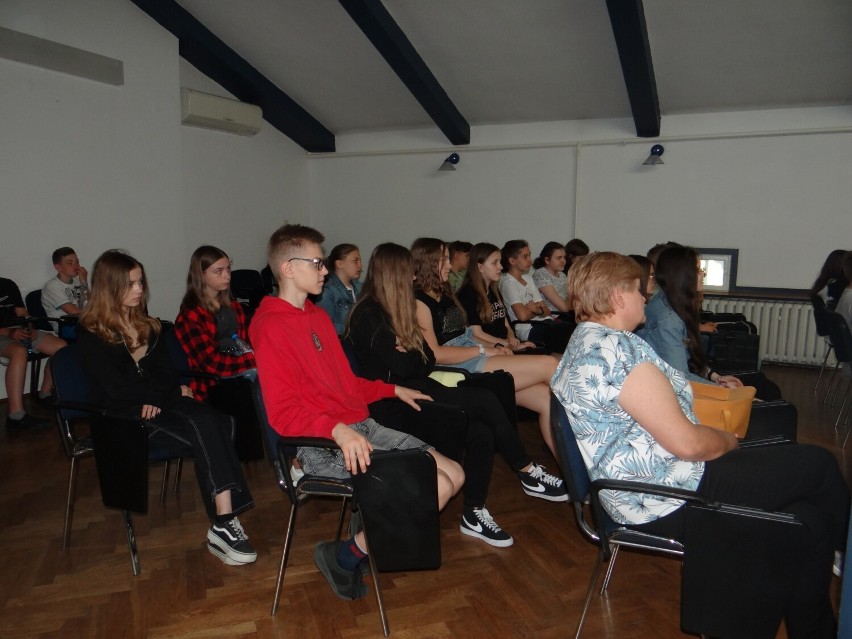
{"type": "Point", "coordinates": [632, 415]}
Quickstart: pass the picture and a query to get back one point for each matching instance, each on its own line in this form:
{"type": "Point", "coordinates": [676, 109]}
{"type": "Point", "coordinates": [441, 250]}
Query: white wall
{"type": "Point", "coordinates": [96, 166]}
{"type": "Point", "coordinates": [775, 184]}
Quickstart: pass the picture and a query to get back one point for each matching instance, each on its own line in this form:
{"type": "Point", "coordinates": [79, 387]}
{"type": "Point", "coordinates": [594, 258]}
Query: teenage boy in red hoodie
{"type": "Point", "coordinates": [309, 390]}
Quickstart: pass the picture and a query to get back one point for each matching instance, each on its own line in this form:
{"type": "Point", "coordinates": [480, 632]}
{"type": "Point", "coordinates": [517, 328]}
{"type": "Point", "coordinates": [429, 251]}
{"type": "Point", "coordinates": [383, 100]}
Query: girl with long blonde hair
{"type": "Point", "coordinates": [124, 356]}
{"type": "Point", "coordinates": [387, 344]}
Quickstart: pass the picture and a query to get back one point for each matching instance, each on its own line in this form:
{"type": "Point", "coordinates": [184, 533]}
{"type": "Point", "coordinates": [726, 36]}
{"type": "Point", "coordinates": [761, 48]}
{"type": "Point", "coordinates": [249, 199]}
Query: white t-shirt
{"type": "Point", "coordinates": [514, 292]}
{"type": "Point", "coordinates": [56, 293]}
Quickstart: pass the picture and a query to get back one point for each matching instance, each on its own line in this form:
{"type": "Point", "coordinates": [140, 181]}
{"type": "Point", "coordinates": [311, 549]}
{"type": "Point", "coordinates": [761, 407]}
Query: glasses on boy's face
{"type": "Point", "coordinates": [318, 262]}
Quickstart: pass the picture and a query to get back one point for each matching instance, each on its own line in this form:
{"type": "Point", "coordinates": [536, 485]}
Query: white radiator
{"type": "Point", "coordinates": [787, 329]}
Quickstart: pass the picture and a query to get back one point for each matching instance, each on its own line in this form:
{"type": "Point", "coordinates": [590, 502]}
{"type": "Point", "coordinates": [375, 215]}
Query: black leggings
{"type": "Point", "coordinates": [798, 479]}
{"type": "Point", "coordinates": [210, 434]}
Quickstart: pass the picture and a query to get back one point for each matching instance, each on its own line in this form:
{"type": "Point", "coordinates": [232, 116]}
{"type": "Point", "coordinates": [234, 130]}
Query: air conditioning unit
{"type": "Point", "coordinates": [215, 112]}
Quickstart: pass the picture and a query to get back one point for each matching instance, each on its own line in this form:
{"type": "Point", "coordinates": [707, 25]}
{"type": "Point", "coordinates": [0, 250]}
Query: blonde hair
{"type": "Point", "coordinates": [103, 314]}
{"type": "Point", "coordinates": [389, 282]}
{"type": "Point", "coordinates": [196, 289]}
{"type": "Point", "coordinates": [286, 240]}
{"type": "Point", "coordinates": [592, 280]}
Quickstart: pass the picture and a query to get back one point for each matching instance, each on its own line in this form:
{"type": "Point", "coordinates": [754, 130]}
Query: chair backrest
{"type": "Point", "coordinates": [247, 288]}
{"type": "Point", "coordinates": [839, 334]}
{"type": "Point", "coordinates": [70, 387]}
{"type": "Point", "coordinates": [34, 309]}
{"type": "Point", "coordinates": [820, 310]}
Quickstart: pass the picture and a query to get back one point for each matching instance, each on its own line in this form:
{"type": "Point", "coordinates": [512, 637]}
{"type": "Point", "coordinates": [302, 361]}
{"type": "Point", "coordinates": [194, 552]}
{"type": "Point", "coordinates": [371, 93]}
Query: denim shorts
{"type": "Point", "coordinates": [329, 463]}
{"type": "Point", "coordinates": [473, 365]}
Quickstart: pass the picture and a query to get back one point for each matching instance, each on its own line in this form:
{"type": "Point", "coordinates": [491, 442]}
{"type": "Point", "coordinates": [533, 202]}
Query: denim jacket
{"type": "Point", "coordinates": [336, 300]}
{"type": "Point", "coordinates": [665, 331]}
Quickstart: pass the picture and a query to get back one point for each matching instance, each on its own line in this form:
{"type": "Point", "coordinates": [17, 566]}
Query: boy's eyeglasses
{"type": "Point", "coordinates": [318, 262]}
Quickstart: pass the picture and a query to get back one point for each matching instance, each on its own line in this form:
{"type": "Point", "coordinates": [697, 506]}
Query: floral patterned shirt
{"type": "Point", "coordinates": [587, 382]}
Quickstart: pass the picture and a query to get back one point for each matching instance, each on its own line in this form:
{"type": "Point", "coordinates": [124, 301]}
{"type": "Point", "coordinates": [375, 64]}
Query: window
{"type": "Point", "coordinates": [720, 269]}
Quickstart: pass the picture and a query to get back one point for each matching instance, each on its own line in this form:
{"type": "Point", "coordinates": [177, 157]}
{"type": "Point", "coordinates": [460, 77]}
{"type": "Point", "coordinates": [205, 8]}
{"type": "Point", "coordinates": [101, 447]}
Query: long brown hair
{"type": "Point", "coordinates": [105, 310]}
{"type": "Point", "coordinates": [426, 255]}
{"type": "Point", "coordinates": [196, 290]}
{"type": "Point", "coordinates": [676, 273]}
{"type": "Point", "coordinates": [478, 254]}
{"type": "Point", "coordinates": [389, 282]}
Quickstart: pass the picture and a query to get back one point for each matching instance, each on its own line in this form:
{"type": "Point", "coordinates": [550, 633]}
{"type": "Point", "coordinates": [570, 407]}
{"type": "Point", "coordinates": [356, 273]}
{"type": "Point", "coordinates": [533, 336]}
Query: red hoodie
{"type": "Point", "coordinates": [308, 386]}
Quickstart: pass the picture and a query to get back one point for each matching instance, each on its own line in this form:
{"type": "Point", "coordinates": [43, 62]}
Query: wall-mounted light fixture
{"type": "Point", "coordinates": [450, 163]}
{"type": "Point", "coordinates": [655, 158]}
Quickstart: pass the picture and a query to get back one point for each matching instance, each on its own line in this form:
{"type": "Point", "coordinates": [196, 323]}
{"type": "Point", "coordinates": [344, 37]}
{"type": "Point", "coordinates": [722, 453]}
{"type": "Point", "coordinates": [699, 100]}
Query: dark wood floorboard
{"type": "Point", "coordinates": [533, 589]}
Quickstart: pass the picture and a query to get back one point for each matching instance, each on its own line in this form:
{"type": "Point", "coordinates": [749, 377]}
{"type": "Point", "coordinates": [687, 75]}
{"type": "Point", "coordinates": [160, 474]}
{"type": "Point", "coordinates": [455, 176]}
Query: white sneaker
{"type": "Point", "coordinates": [837, 568]}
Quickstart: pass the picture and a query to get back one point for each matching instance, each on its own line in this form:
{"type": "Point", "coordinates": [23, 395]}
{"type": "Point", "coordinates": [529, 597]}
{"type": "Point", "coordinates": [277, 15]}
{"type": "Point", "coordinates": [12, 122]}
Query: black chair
{"type": "Point", "coordinates": [706, 605]}
{"type": "Point", "coordinates": [229, 395]}
{"type": "Point", "coordinates": [248, 289]}
{"type": "Point", "coordinates": [821, 322]}
{"type": "Point", "coordinates": [73, 409]}
{"type": "Point", "coordinates": [841, 339]}
{"type": "Point", "coordinates": [122, 456]}
{"type": "Point", "coordinates": [410, 475]}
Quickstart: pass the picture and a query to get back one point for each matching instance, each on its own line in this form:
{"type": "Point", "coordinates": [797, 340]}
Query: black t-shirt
{"type": "Point", "coordinates": [447, 319]}
{"type": "Point", "coordinates": [470, 303]}
{"type": "Point", "coordinates": [10, 298]}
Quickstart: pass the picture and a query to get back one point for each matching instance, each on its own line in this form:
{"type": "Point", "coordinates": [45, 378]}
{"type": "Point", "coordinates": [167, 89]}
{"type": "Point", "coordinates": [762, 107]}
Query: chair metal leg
{"type": "Point", "coordinates": [843, 404]}
{"type": "Point", "coordinates": [609, 568]}
{"type": "Point", "coordinates": [341, 518]}
{"type": "Point", "coordinates": [375, 573]}
{"type": "Point", "coordinates": [589, 592]}
{"type": "Point", "coordinates": [69, 504]}
{"type": "Point", "coordinates": [164, 483]}
{"type": "Point", "coordinates": [35, 376]}
{"type": "Point", "coordinates": [285, 555]}
{"type": "Point", "coordinates": [830, 383]}
{"type": "Point", "coordinates": [178, 473]}
{"type": "Point", "coordinates": [822, 368]}
{"type": "Point", "coordinates": [131, 542]}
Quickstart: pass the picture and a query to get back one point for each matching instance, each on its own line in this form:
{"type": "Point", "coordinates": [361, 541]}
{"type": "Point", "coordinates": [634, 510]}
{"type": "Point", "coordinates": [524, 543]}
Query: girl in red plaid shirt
{"type": "Point", "coordinates": [209, 318]}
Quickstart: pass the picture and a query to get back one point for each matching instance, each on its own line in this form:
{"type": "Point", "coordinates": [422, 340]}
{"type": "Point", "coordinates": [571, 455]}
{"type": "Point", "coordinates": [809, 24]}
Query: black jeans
{"type": "Point", "coordinates": [210, 434]}
{"type": "Point", "coordinates": [488, 430]}
{"type": "Point", "coordinates": [799, 479]}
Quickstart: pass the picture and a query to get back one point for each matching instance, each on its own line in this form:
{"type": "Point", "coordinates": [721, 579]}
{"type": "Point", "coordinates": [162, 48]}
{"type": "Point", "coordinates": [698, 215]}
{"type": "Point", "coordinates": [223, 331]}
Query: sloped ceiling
{"type": "Point", "coordinates": [507, 61]}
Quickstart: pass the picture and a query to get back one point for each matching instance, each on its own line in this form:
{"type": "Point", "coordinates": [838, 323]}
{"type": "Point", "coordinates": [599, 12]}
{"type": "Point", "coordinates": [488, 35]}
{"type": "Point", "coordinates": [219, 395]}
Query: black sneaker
{"type": "Point", "coordinates": [539, 483]}
{"type": "Point", "coordinates": [346, 584]}
{"type": "Point", "coordinates": [229, 543]}
{"type": "Point", "coordinates": [478, 522]}
{"type": "Point", "coordinates": [27, 422]}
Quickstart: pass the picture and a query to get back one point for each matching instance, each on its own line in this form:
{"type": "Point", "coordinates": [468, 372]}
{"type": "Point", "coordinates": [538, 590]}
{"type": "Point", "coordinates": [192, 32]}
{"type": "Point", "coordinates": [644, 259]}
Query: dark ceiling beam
{"type": "Point", "coordinates": [218, 61]}
{"type": "Point", "coordinates": [381, 29]}
{"type": "Point", "coordinates": [627, 18]}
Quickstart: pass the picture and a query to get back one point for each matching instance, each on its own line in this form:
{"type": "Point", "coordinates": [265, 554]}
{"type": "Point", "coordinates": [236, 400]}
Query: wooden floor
{"type": "Point", "coordinates": [533, 589]}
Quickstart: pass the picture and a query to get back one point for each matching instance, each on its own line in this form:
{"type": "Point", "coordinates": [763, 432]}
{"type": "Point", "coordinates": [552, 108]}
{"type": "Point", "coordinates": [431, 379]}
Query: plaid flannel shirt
{"type": "Point", "coordinates": [196, 331]}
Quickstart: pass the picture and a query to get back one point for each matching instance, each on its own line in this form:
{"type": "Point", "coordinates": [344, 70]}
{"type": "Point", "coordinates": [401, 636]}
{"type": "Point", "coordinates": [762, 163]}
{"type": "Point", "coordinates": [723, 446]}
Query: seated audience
{"type": "Point", "coordinates": [530, 315]}
{"type": "Point", "coordinates": [131, 374]}
{"type": "Point", "coordinates": [574, 249]}
{"type": "Point", "coordinates": [342, 286]}
{"type": "Point", "coordinates": [633, 418]}
{"type": "Point", "coordinates": [15, 344]}
{"type": "Point", "coordinates": [459, 258]}
{"type": "Point", "coordinates": [309, 390]}
{"type": "Point", "coordinates": [442, 323]}
{"type": "Point", "coordinates": [211, 324]}
{"type": "Point", "coordinates": [388, 345]}
{"type": "Point", "coordinates": [480, 300]}
{"type": "Point", "coordinates": [68, 292]}
{"type": "Point", "coordinates": [550, 277]}
{"type": "Point", "coordinates": [831, 282]}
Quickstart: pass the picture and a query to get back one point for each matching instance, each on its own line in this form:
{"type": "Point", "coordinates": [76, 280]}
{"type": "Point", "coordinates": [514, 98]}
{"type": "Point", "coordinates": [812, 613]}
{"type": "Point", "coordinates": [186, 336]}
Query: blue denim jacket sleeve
{"type": "Point", "coordinates": [337, 301]}
{"type": "Point", "coordinates": [666, 333]}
